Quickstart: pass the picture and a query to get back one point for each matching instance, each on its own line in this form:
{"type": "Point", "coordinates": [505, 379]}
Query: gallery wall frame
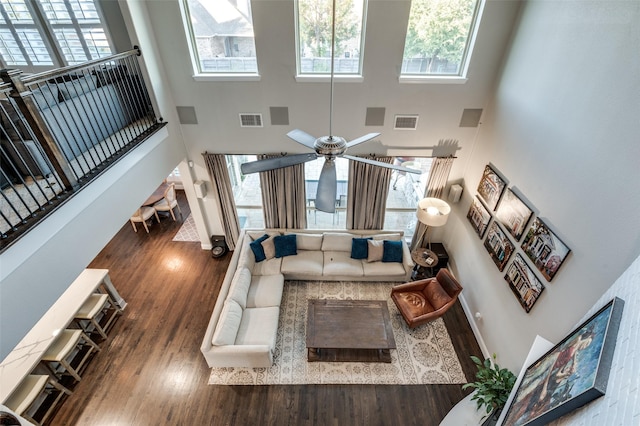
{"type": "Point", "coordinates": [513, 214]}
{"type": "Point", "coordinates": [479, 217]}
{"type": "Point", "coordinates": [498, 245]}
{"type": "Point", "coordinates": [523, 282]}
{"type": "Point", "coordinates": [571, 374]}
{"type": "Point", "coordinates": [491, 187]}
{"type": "Point", "coordinates": [545, 249]}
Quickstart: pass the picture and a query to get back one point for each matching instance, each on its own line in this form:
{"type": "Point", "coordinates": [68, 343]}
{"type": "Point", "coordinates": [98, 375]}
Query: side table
{"type": "Point", "coordinates": [429, 262]}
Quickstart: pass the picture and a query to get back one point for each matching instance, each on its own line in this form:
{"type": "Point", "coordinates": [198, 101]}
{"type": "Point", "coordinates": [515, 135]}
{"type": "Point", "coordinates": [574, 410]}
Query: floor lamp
{"type": "Point", "coordinates": [432, 212]}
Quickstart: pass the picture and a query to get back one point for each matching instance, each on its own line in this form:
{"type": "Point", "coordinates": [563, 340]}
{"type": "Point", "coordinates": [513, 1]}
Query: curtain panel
{"type": "Point", "coordinates": [438, 177]}
{"type": "Point", "coordinates": [219, 175]}
{"type": "Point", "coordinates": [367, 194]}
{"type": "Point", "coordinates": [283, 196]}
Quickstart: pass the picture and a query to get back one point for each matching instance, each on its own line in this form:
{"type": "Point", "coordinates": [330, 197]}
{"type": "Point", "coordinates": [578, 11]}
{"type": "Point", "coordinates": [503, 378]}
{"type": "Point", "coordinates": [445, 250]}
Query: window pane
{"type": "Point", "coordinates": [56, 11]}
{"type": "Point", "coordinates": [222, 32]}
{"type": "Point", "coordinates": [246, 192]}
{"type": "Point", "coordinates": [70, 45]}
{"type": "Point", "coordinates": [97, 42]}
{"type": "Point", "coordinates": [322, 220]}
{"type": "Point", "coordinates": [405, 190]}
{"type": "Point", "coordinates": [17, 11]}
{"type": "Point", "coordinates": [438, 36]}
{"type": "Point", "coordinates": [314, 36]}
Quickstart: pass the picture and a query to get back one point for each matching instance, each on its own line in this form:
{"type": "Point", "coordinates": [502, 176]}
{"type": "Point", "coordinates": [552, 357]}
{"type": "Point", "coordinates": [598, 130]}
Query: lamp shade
{"type": "Point", "coordinates": [433, 211]}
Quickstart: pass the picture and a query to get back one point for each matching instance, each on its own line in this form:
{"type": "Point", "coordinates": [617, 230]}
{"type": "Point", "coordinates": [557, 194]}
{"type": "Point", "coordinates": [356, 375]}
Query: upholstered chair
{"type": "Point", "coordinates": [142, 215]}
{"type": "Point", "coordinates": [425, 300]}
{"type": "Point", "coordinates": [169, 202]}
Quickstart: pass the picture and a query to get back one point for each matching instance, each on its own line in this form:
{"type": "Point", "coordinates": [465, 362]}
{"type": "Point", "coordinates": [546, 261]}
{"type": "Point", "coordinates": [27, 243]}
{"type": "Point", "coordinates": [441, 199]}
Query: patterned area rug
{"type": "Point", "coordinates": [424, 355]}
{"type": "Point", "coordinates": [187, 231]}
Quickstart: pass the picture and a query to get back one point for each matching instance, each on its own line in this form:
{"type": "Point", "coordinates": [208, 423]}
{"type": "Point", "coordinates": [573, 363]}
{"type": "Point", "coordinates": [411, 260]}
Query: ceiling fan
{"type": "Point", "coordinates": [330, 147]}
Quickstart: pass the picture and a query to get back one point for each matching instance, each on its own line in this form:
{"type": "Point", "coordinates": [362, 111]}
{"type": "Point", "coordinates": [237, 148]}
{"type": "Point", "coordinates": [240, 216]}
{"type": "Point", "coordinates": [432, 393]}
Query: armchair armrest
{"type": "Point", "coordinates": [412, 286]}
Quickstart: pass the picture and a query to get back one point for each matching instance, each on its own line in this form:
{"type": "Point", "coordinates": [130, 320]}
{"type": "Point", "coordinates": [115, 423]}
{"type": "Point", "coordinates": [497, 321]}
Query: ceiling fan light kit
{"type": "Point", "coordinates": [330, 147]}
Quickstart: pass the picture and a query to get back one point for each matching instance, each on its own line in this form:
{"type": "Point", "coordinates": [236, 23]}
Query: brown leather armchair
{"type": "Point", "coordinates": [425, 300]}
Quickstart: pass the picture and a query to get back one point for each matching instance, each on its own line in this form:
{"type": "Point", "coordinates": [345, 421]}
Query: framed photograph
{"type": "Point", "coordinates": [513, 214]}
{"type": "Point", "coordinates": [491, 187]}
{"type": "Point", "coordinates": [479, 217]}
{"type": "Point", "coordinates": [523, 282]}
{"type": "Point", "coordinates": [545, 250]}
{"type": "Point", "coordinates": [498, 245]}
{"type": "Point", "coordinates": [571, 374]}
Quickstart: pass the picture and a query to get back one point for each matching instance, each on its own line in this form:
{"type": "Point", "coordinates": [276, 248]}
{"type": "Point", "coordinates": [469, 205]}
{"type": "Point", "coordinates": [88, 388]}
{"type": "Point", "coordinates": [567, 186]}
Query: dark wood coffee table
{"type": "Point", "coordinates": [349, 330]}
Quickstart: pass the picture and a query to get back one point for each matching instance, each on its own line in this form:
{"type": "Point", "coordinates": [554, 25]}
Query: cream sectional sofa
{"type": "Point", "coordinates": [243, 326]}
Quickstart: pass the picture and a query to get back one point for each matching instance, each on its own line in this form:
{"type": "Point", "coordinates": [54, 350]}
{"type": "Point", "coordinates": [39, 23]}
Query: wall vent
{"type": "Point", "coordinates": [250, 120]}
{"type": "Point", "coordinates": [406, 122]}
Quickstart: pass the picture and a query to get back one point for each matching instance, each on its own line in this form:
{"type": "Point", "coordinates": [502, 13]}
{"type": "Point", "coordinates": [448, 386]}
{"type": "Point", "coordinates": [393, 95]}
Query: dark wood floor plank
{"type": "Point", "coordinates": [151, 372]}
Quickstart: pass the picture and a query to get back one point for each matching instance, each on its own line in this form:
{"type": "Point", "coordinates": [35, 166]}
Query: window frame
{"type": "Point", "coordinates": [326, 77]}
{"type": "Point", "coordinates": [461, 77]}
{"type": "Point", "coordinates": [200, 75]}
{"type": "Point", "coordinates": [46, 30]}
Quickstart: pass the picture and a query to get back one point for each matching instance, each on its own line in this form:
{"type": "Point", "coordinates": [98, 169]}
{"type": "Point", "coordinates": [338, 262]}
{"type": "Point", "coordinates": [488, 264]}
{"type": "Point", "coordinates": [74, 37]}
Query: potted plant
{"type": "Point", "coordinates": [492, 387]}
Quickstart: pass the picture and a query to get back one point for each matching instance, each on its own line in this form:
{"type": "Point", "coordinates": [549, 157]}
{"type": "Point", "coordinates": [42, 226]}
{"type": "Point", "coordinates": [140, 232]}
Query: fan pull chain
{"type": "Point", "coordinates": [333, 44]}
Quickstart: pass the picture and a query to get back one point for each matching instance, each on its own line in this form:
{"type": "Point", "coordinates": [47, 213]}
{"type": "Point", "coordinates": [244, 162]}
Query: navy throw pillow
{"type": "Point", "coordinates": [392, 251]}
{"type": "Point", "coordinates": [286, 245]}
{"type": "Point", "coordinates": [359, 248]}
{"type": "Point", "coordinates": [256, 248]}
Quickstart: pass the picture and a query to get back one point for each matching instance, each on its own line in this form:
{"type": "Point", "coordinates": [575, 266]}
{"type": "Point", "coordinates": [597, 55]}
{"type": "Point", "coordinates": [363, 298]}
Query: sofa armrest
{"type": "Point", "coordinates": [255, 356]}
{"type": "Point", "coordinates": [407, 261]}
{"type": "Point", "coordinates": [412, 286]}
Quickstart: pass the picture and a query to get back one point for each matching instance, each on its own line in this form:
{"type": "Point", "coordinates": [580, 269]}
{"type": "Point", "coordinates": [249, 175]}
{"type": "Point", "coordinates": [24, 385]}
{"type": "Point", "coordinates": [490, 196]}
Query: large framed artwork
{"type": "Point", "coordinates": [523, 282]}
{"type": "Point", "coordinates": [513, 214]}
{"type": "Point", "coordinates": [498, 245]}
{"type": "Point", "coordinates": [491, 187]}
{"type": "Point", "coordinates": [545, 249]}
{"type": "Point", "coordinates": [571, 374]}
{"type": "Point", "coordinates": [479, 217]}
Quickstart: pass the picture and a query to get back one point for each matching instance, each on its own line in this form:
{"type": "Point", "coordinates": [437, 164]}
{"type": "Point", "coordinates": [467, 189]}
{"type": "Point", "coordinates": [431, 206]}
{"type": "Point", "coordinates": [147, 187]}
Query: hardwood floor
{"type": "Point", "coordinates": [151, 372]}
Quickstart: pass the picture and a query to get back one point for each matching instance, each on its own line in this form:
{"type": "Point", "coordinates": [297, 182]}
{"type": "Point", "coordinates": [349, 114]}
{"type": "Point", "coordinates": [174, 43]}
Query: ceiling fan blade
{"type": "Point", "coordinates": [276, 163]}
{"type": "Point", "coordinates": [327, 188]}
{"type": "Point", "coordinates": [381, 164]}
{"type": "Point", "coordinates": [302, 137]}
{"type": "Point", "coordinates": [361, 139]}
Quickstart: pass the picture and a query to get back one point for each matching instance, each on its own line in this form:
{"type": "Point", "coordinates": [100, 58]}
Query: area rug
{"type": "Point", "coordinates": [424, 355]}
{"type": "Point", "coordinates": [187, 231]}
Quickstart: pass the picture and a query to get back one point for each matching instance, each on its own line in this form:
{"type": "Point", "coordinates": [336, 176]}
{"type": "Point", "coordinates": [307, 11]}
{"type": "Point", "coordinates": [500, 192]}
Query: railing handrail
{"type": "Point", "coordinates": [47, 75]}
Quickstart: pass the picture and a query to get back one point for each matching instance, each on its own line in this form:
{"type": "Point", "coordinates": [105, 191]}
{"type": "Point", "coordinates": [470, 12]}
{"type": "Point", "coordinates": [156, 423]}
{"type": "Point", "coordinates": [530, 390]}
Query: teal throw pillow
{"type": "Point", "coordinates": [392, 251]}
{"type": "Point", "coordinates": [286, 245]}
{"type": "Point", "coordinates": [359, 248]}
{"type": "Point", "coordinates": [256, 248]}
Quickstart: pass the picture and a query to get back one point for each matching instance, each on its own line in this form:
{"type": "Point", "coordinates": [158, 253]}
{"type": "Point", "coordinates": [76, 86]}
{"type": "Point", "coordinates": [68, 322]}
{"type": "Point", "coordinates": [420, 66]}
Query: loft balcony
{"type": "Point", "coordinates": [61, 129]}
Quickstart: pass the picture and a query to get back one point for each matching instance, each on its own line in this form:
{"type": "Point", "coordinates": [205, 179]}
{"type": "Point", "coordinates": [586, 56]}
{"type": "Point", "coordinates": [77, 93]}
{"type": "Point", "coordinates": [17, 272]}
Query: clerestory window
{"type": "Point", "coordinates": [313, 37]}
{"type": "Point", "coordinates": [221, 37]}
{"type": "Point", "coordinates": [43, 34]}
{"type": "Point", "coordinates": [440, 38]}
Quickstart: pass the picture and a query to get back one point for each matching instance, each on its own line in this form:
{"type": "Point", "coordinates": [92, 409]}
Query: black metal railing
{"type": "Point", "coordinates": [62, 128]}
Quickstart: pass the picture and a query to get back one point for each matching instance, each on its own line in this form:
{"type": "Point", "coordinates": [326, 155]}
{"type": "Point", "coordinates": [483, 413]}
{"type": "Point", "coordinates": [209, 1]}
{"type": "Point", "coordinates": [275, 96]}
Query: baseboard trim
{"type": "Point", "coordinates": [474, 327]}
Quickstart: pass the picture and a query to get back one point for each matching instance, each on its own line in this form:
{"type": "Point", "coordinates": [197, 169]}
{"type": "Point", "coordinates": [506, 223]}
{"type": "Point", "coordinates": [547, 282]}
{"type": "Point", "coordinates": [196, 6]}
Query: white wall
{"type": "Point", "coordinates": [563, 129]}
{"type": "Point", "coordinates": [218, 104]}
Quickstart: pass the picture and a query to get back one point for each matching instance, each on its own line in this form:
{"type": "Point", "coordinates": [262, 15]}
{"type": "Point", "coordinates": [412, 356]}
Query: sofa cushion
{"type": "Point", "coordinates": [257, 249]}
{"type": "Point", "coordinates": [258, 327]}
{"type": "Point", "coordinates": [257, 234]}
{"type": "Point", "coordinates": [286, 245]}
{"type": "Point", "coordinates": [392, 251]}
{"type": "Point", "coordinates": [269, 247]}
{"type": "Point", "coordinates": [436, 295]}
{"type": "Point", "coordinates": [338, 263]}
{"type": "Point", "coordinates": [309, 241]}
{"type": "Point", "coordinates": [228, 324]}
{"type": "Point", "coordinates": [265, 291]}
{"type": "Point", "coordinates": [247, 258]}
{"type": "Point", "coordinates": [372, 269]}
{"type": "Point", "coordinates": [333, 241]}
{"type": "Point", "coordinates": [240, 286]}
{"type": "Point", "coordinates": [268, 267]}
{"type": "Point", "coordinates": [306, 262]}
{"type": "Point", "coordinates": [375, 250]}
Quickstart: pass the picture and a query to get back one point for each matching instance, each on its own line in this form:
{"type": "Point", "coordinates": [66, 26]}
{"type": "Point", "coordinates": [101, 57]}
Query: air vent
{"type": "Point", "coordinates": [250, 120]}
{"type": "Point", "coordinates": [406, 122]}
